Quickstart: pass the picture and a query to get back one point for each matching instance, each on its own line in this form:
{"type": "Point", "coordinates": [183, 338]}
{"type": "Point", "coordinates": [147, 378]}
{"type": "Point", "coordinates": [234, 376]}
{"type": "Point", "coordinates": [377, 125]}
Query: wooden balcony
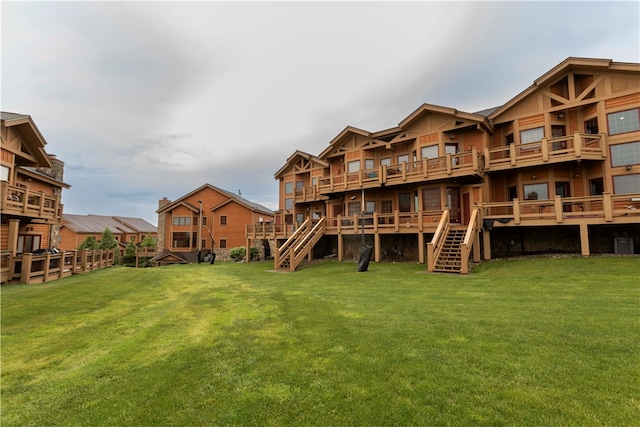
{"type": "Point", "coordinates": [20, 201]}
{"type": "Point", "coordinates": [604, 209]}
{"type": "Point", "coordinates": [397, 222]}
{"type": "Point", "coordinates": [555, 150]}
{"type": "Point", "coordinates": [449, 166]}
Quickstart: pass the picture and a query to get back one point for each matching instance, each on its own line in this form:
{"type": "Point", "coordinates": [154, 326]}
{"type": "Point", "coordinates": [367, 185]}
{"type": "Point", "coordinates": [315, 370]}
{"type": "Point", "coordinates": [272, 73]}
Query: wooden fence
{"type": "Point", "coordinates": [39, 268]}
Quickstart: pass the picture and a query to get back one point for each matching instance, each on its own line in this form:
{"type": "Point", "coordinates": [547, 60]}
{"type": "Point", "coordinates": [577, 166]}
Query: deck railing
{"type": "Point", "coordinates": [553, 150]}
{"type": "Point", "coordinates": [37, 268]}
{"type": "Point", "coordinates": [20, 200]}
{"type": "Point", "coordinates": [449, 166]}
{"type": "Point", "coordinates": [435, 245]}
{"type": "Point", "coordinates": [605, 208]}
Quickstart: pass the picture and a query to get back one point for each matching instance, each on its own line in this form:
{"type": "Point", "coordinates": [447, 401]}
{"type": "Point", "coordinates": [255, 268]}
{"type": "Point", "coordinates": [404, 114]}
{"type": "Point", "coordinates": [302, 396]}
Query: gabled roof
{"type": "Point", "coordinates": [238, 199]}
{"type": "Point", "coordinates": [98, 223]}
{"type": "Point", "coordinates": [298, 156]}
{"type": "Point", "coordinates": [569, 64]}
{"type": "Point", "coordinates": [32, 137]}
{"type": "Point", "coordinates": [431, 108]}
{"type": "Point", "coordinates": [346, 134]}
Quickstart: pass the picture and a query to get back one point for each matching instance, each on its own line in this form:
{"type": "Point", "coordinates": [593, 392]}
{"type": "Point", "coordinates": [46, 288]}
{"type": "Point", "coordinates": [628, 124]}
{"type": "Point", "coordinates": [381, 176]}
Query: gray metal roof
{"type": "Point", "coordinates": [487, 111]}
{"type": "Point", "coordinates": [12, 116]}
{"type": "Point", "coordinates": [98, 223]}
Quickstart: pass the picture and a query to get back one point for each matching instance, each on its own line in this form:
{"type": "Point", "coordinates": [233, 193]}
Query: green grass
{"type": "Point", "coordinates": [544, 342]}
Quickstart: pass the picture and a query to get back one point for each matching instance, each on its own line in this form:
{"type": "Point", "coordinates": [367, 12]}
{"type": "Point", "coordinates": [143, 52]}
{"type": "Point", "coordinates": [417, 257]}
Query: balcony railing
{"type": "Point", "coordinates": [449, 166]}
{"type": "Point", "coordinates": [606, 208]}
{"type": "Point", "coordinates": [567, 148]}
{"type": "Point", "coordinates": [32, 268]}
{"type": "Point", "coordinates": [19, 200]}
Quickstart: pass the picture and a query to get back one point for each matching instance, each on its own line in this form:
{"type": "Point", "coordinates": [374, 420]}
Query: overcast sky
{"type": "Point", "coordinates": [147, 100]}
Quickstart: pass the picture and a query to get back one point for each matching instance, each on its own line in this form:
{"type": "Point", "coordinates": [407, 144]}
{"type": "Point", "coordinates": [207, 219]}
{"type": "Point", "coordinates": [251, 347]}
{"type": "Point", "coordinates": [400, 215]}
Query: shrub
{"type": "Point", "coordinates": [239, 253]}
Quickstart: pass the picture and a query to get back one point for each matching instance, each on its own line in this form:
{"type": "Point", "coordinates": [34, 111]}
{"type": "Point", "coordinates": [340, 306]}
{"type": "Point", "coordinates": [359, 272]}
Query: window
{"type": "Point", "coordinates": [430, 152]}
{"type": "Point", "coordinates": [597, 186]}
{"type": "Point", "coordinates": [369, 164]}
{"type": "Point", "coordinates": [28, 243]}
{"type": "Point", "coordinates": [299, 218]}
{"type": "Point", "coordinates": [299, 185]}
{"type": "Point", "coordinates": [508, 139]}
{"type": "Point", "coordinates": [385, 162]}
{"type": "Point", "coordinates": [369, 207]}
{"type": "Point", "coordinates": [4, 173]}
{"type": "Point", "coordinates": [288, 187]}
{"type": "Point", "coordinates": [204, 220]}
{"type": "Point", "coordinates": [180, 240]}
{"type": "Point", "coordinates": [314, 181]}
{"type": "Point", "coordinates": [288, 204]}
{"type": "Point", "coordinates": [204, 243]}
{"type": "Point", "coordinates": [536, 191]}
{"type": "Point", "coordinates": [431, 199]}
{"type": "Point", "coordinates": [623, 121]}
{"type": "Point", "coordinates": [625, 154]}
{"type": "Point", "coordinates": [403, 158]}
{"type": "Point", "coordinates": [353, 208]}
{"type": "Point", "coordinates": [353, 166]}
{"type": "Point", "coordinates": [223, 243]}
{"type": "Point", "coordinates": [626, 184]}
{"type": "Point", "coordinates": [591, 126]}
{"type": "Point", "coordinates": [404, 202]}
{"type": "Point", "coordinates": [223, 220]}
{"type": "Point", "coordinates": [386, 206]}
{"type": "Point", "coordinates": [531, 135]}
{"type": "Point", "coordinates": [181, 220]}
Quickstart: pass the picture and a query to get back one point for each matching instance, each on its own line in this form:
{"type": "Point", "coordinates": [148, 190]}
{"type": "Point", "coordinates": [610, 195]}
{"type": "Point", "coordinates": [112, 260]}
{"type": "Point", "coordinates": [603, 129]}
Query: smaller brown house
{"type": "Point", "coordinates": [206, 219]}
{"type": "Point", "coordinates": [76, 228]}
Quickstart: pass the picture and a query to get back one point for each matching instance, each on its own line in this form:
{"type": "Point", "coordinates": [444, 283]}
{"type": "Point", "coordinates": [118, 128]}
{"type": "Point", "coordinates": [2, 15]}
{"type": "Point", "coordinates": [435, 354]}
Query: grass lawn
{"type": "Point", "coordinates": [540, 342]}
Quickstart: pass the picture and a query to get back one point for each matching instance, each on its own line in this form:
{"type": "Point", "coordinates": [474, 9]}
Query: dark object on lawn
{"type": "Point", "coordinates": [365, 256]}
{"type": "Point", "coordinates": [210, 257]}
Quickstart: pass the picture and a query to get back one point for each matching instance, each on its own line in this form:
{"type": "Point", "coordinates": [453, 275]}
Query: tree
{"type": "Point", "coordinates": [89, 243]}
{"type": "Point", "coordinates": [129, 258]}
{"type": "Point", "coordinates": [108, 242]}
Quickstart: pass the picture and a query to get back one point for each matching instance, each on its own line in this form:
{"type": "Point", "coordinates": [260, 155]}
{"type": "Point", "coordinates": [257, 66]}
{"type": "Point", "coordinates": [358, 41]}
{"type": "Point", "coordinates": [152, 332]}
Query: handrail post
{"type": "Point", "coordinates": [25, 270]}
{"type": "Point", "coordinates": [558, 208]}
{"type": "Point", "coordinates": [607, 205]}
{"type": "Point", "coordinates": [516, 211]}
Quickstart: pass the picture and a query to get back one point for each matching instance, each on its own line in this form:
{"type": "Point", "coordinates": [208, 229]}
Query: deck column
{"type": "Point", "coordinates": [486, 240]}
{"type": "Point", "coordinates": [584, 239]}
{"type": "Point", "coordinates": [340, 247]}
{"type": "Point", "coordinates": [376, 247]}
{"type": "Point", "coordinates": [421, 247]}
{"type": "Point", "coordinates": [14, 225]}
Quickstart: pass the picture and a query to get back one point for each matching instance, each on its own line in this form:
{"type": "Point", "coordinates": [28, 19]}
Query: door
{"type": "Point", "coordinates": [452, 148]}
{"type": "Point", "coordinates": [453, 202]}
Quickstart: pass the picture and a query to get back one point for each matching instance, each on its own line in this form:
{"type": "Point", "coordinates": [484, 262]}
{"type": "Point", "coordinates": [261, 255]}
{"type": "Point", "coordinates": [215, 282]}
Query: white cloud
{"type": "Point", "coordinates": [171, 95]}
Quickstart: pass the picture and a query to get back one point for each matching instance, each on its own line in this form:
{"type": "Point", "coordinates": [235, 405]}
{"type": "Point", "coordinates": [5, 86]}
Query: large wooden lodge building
{"type": "Point", "coordinates": [554, 169]}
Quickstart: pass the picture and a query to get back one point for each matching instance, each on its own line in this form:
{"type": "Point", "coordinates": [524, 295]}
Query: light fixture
{"type": "Point", "coordinates": [534, 176]}
{"type": "Point", "coordinates": [628, 167]}
{"type": "Point", "coordinates": [561, 116]}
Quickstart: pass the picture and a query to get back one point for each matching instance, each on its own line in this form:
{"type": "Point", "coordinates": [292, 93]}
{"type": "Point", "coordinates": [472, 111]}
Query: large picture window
{"type": "Point", "coordinates": [181, 220]}
{"type": "Point", "coordinates": [288, 204]}
{"type": "Point", "coordinates": [623, 121]}
{"type": "Point", "coordinates": [429, 152]}
{"type": "Point", "coordinates": [353, 166]}
{"type": "Point", "coordinates": [531, 135]}
{"type": "Point", "coordinates": [536, 191]}
{"type": "Point", "coordinates": [288, 187]}
{"type": "Point", "coordinates": [180, 240]}
{"type": "Point", "coordinates": [625, 154]}
{"type": "Point", "coordinates": [626, 184]}
{"type": "Point", "coordinates": [431, 199]}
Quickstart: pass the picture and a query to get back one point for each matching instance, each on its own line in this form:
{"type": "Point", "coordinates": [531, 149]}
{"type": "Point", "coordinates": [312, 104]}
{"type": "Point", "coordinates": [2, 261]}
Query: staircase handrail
{"type": "Point", "coordinates": [469, 237]}
{"type": "Point", "coordinates": [284, 251]}
{"type": "Point", "coordinates": [435, 246]}
{"type": "Point", "coordinates": [308, 242]}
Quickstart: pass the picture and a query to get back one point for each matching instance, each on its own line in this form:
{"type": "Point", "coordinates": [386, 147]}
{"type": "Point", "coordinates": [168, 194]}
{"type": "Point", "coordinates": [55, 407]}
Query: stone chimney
{"type": "Point", "coordinates": [162, 224]}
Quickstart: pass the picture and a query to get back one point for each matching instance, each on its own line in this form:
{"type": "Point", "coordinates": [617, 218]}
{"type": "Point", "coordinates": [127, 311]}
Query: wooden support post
{"type": "Point", "coordinates": [84, 259]}
{"type": "Point", "coordinates": [516, 211]}
{"type": "Point", "coordinates": [545, 149]}
{"type": "Point", "coordinates": [607, 205]}
{"type": "Point", "coordinates": [584, 239]}
{"type": "Point", "coordinates": [376, 247]}
{"type": "Point", "coordinates": [47, 260]}
{"type": "Point", "coordinates": [25, 271]}
{"type": "Point", "coordinates": [12, 244]}
{"type": "Point", "coordinates": [421, 247]}
{"type": "Point", "coordinates": [557, 206]}
{"type": "Point", "coordinates": [486, 242]}
{"type": "Point", "coordinates": [340, 247]}
{"type": "Point", "coordinates": [476, 247]}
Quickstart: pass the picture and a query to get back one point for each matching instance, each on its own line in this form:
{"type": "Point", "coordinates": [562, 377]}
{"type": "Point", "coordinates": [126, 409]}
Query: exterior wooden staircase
{"type": "Point", "coordinates": [451, 246]}
{"type": "Point", "coordinates": [299, 245]}
{"type": "Point", "coordinates": [450, 257]}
